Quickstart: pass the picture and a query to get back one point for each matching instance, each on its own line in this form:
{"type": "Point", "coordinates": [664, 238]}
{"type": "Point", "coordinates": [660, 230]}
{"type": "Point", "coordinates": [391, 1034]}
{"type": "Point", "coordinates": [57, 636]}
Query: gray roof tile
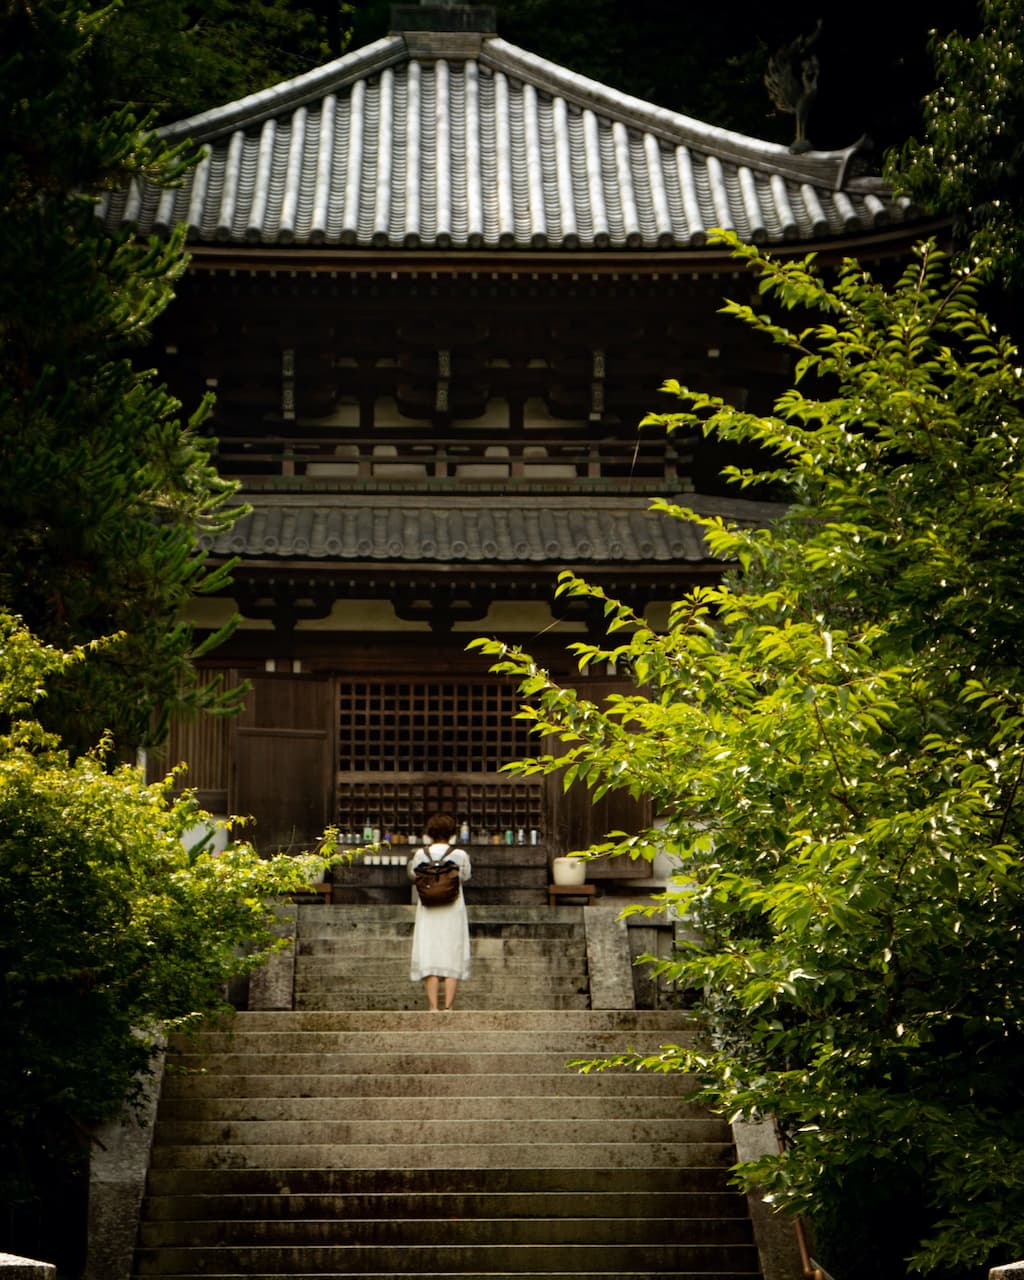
{"type": "Point", "coordinates": [500, 149]}
{"type": "Point", "coordinates": [504, 533]}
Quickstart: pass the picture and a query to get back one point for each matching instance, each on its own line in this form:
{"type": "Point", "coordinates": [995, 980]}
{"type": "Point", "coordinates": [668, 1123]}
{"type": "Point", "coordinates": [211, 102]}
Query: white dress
{"type": "Point", "coordinates": [440, 936]}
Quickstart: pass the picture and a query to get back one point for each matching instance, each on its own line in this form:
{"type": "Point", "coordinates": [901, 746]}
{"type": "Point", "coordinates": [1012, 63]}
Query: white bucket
{"type": "Point", "coordinates": [568, 870]}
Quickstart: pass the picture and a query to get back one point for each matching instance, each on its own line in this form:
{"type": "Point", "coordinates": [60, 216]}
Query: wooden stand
{"type": "Point", "coordinates": [324, 891]}
{"type": "Point", "coordinates": [584, 891]}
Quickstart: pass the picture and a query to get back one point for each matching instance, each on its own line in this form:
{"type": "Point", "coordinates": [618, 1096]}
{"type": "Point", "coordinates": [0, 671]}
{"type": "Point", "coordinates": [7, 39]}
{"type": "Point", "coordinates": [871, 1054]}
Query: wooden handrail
{"type": "Point", "coordinates": [810, 1269]}
{"type": "Point", "coordinates": [811, 1272]}
{"type": "Point", "coordinates": [387, 457]}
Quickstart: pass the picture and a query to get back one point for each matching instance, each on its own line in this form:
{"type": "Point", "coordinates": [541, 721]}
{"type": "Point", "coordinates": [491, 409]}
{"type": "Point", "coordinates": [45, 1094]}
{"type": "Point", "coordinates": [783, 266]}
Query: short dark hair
{"type": "Point", "coordinates": [440, 826]}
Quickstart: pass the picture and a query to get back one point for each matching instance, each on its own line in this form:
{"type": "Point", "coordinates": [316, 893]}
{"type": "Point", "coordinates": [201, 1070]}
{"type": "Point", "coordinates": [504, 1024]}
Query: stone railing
{"type": "Point", "coordinates": [117, 1180]}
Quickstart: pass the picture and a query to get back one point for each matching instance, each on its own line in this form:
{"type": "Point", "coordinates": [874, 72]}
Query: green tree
{"type": "Point", "coordinates": [104, 487]}
{"type": "Point", "coordinates": [833, 740]}
{"type": "Point", "coordinates": [112, 932]}
{"type": "Point", "coordinates": [176, 58]}
{"type": "Point", "coordinates": [969, 161]}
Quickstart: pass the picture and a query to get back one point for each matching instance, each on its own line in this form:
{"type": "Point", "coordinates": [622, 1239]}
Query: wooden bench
{"type": "Point", "coordinates": [584, 891]}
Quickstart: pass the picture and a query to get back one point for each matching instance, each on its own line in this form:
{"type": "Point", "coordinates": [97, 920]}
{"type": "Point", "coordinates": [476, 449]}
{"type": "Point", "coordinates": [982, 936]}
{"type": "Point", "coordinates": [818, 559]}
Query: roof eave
{"type": "Point", "coordinates": [263, 259]}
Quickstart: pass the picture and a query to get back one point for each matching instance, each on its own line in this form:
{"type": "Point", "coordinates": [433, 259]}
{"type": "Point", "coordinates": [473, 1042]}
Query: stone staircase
{"type": "Point", "coordinates": [357, 957]}
{"type": "Point", "coordinates": [393, 1142]}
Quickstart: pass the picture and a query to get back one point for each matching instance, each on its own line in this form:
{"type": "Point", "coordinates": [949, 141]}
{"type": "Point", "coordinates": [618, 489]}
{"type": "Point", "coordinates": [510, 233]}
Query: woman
{"type": "Point", "coordinates": [440, 937]}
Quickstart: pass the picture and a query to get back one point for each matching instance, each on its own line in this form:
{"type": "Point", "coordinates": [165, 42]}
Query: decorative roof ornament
{"type": "Point", "coordinates": [792, 83]}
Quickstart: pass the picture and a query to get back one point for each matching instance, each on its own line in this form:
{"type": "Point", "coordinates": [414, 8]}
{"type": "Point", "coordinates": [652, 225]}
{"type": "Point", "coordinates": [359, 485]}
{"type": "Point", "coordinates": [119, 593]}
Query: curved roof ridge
{"type": "Point", "coordinates": [289, 94]}
{"type": "Point", "coordinates": [672, 126]}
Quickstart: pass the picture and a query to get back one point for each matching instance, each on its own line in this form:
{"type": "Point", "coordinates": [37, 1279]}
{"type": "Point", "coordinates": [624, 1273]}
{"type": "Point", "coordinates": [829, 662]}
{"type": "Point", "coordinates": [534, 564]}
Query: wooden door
{"type": "Point", "coordinates": [577, 820]}
{"type": "Point", "coordinates": [282, 761]}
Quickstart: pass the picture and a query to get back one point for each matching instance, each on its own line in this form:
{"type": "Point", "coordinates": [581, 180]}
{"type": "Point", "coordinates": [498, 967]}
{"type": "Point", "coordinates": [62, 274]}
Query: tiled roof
{"type": "Point", "coordinates": [602, 531]}
{"type": "Point", "coordinates": [456, 142]}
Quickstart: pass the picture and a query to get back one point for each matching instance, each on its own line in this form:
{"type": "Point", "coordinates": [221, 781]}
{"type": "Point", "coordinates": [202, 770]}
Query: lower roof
{"type": "Point", "coordinates": [536, 531]}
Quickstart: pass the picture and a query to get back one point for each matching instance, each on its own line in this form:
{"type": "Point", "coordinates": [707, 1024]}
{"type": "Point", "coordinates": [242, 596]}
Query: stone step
{"type": "Point", "coordinates": [670, 1022]}
{"type": "Point", "coordinates": [619, 1273]}
{"type": "Point", "coordinates": [444, 1037]}
{"type": "Point", "coordinates": [418, 1108]}
{"type": "Point", "coordinates": [399, 936]}
{"type": "Point", "coordinates": [488, 951]}
{"type": "Point", "coordinates": [497, 946]}
{"type": "Point", "coordinates": [369, 983]}
{"type": "Point", "coordinates": [369, 976]}
{"type": "Point", "coordinates": [412, 1063]}
{"type": "Point", "coordinates": [471, 997]}
{"type": "Point", "coordinates": [453, 1131]}
{"type": "Point", "coordinates": [479, 912]}
{"type": "Point", "coordinates": [316, 1084]}
{"type": "Point", "coordinates": [373, 1144]}
{"type": "Point", "coordinates": [465, 1155]}
{"type": "Point", "coordinates": [358, 957]}
{"type": "Point", "coordinates": [219, 1207]}
{"type": "Point", "coordinates": [392, 970]}
{"type": "Point", "coordinates": [525, 989]}
{"type": "Point", "coordinates": [395, 952]}
{"type": "Point", "coordinates": [539, 1184]}
{"type": "Point", "coordinates": [369, 972]}
{"type": "Point", "coordinates": [374, 931]}
{"type": "Point", "coordinates": [476, 1260]}
{"type": "Point", "coordinates": [412, 1232]}
{"type": "Point", "coordinates": [483, 917]}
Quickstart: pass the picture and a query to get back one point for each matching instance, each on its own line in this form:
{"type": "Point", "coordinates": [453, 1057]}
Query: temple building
{"type": "Point", "coordinates": [435, 285]}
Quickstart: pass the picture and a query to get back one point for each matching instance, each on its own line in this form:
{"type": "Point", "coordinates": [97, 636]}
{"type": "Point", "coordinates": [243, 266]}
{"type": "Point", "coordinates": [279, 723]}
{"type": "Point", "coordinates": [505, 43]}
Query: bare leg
{"type": "Point", "coordinates": [450, 985]}
{"type": "Point", "coordinates": [430, 985]}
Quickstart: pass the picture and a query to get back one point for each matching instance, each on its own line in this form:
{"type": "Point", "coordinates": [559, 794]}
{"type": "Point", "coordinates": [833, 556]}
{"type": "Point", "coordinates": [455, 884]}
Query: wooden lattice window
{"type": "Point", "coordinates": [408, 748]}
{"type": "Point", "coordinates": [428, 727]}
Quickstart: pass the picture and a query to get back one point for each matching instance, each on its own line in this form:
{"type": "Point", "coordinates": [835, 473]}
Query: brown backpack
{"type": "Point", "coordinates": [437, 882]}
